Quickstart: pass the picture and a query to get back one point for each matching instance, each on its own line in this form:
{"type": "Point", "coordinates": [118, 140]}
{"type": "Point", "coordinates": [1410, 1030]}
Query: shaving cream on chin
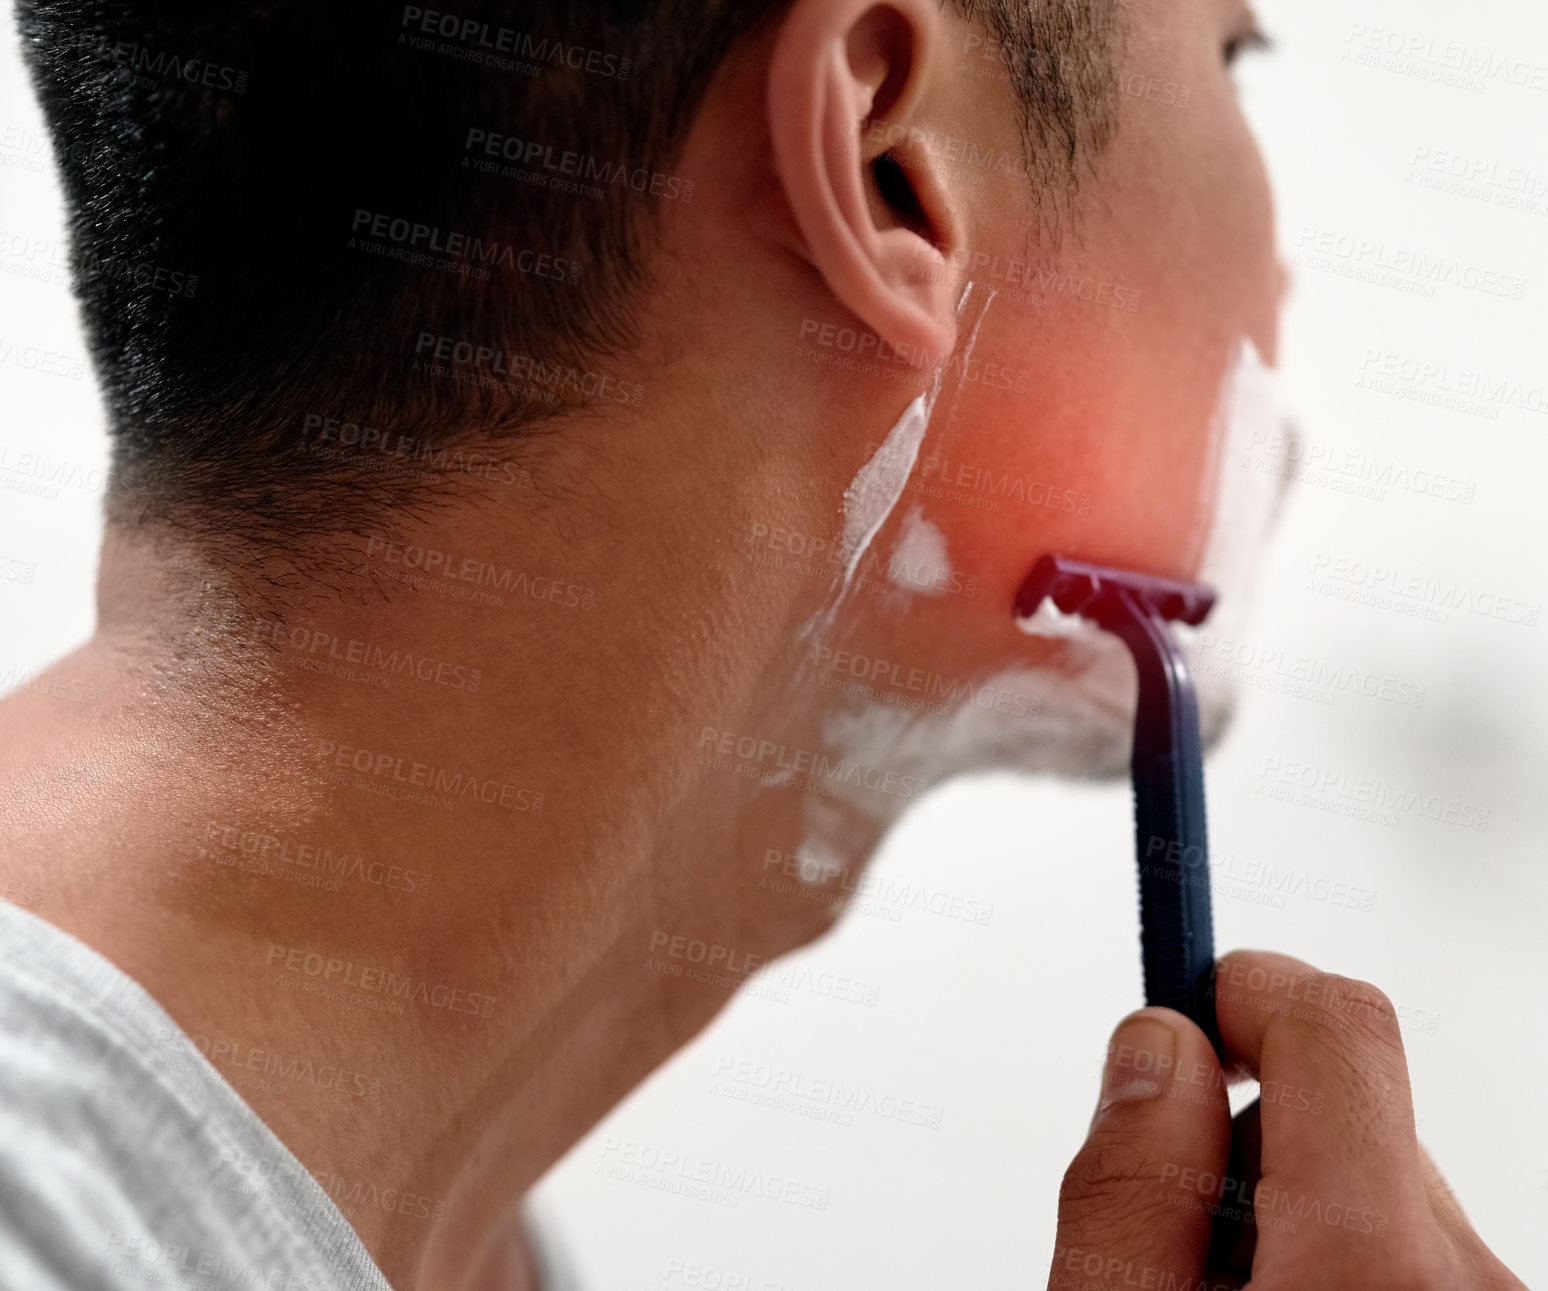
{"type": "Point", "coordinates": [1082, 698]}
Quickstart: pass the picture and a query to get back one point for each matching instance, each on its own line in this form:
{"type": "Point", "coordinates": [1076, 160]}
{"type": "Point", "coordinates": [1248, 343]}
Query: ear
{"type": "Point", "coordinates": [849, 86]}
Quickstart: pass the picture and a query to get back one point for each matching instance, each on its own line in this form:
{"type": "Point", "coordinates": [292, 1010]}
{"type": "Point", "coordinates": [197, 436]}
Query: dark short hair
{"type": "Point", "coordinates": [276, 209]}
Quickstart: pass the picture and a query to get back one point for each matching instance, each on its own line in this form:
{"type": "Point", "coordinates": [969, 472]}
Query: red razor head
{"type": "Point", "coordinates": [1091, 591]}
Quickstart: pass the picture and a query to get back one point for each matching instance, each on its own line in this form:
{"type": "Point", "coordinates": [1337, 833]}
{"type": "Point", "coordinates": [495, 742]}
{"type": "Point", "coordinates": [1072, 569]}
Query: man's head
{"type": "Point", "coordinates": [778, 338]}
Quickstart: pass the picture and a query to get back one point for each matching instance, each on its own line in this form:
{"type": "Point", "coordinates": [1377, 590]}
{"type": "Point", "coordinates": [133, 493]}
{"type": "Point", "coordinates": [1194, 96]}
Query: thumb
{"type": "Point", "coordinates": [1136, 1203]}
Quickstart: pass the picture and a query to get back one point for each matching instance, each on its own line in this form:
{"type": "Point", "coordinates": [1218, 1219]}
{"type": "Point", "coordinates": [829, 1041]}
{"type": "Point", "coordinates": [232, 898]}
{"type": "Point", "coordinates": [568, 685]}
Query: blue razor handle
{"type": "Point", "coordinates": [1167, 766]}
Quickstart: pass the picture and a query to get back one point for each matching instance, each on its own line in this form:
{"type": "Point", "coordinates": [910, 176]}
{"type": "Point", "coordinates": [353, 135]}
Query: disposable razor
{"type": "Point", "coordinates": [1176, 935]}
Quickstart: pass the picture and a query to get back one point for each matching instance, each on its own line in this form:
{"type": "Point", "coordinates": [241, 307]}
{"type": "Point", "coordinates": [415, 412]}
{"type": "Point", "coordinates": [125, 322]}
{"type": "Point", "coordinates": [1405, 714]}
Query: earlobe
{"type": "Point", "coordinates": [848, 100]}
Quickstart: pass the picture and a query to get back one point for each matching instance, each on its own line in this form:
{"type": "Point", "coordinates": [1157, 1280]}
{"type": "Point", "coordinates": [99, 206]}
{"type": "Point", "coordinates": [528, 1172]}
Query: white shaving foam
{"type": "Point", "coordinates": [1048, 620]}
{"type": "Point", "coordinates": [869, 499]}
{"type": "Point", "coordinates": [1252, 408]}
{"type": "Point", "coordinates": [919, 561]}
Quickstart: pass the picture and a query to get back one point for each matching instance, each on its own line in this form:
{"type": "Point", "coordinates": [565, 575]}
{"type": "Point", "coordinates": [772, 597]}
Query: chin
{"type": "Point", "coordinates": [1078, 722]}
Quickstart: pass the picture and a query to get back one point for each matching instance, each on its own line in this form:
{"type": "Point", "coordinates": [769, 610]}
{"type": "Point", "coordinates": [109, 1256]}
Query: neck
{"type": "Point", "coordinates": [384, 835]}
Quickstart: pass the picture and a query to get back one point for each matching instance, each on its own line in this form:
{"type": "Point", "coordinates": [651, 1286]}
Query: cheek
{"type": "Point", "coordinates": [1105, 456]}
{"type": "Point", "coordinates": [1104, 446]}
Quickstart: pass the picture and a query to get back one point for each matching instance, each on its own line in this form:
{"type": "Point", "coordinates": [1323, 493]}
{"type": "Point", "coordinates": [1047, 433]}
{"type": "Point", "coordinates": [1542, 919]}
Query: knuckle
{"type": "Point", "coordinates": [1109, 1191]}
{"type": "Point", "coordinates": [1351, 1010]}
{"type": "Point", "coordinates": [1102, 1167]}
{"type": "Point", "coordinates": [1347, 1030]}
{"type": "Point", "coordinates": [1370, 1005]}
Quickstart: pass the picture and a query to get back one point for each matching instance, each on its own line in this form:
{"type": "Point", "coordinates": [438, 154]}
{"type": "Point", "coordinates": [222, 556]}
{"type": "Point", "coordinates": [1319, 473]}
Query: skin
{"type": "Point", "coordinates": [1338, 1190]}
{"type": "Point", "coordinates": [564, 918]}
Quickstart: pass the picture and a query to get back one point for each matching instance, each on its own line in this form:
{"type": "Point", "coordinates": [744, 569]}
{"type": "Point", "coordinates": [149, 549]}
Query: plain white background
{"type": "Point", "coordinates": [998, 1030]}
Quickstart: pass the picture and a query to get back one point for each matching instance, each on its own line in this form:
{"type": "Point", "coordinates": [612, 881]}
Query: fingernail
{"type": "Point", "coordinates": [1140, 1057]}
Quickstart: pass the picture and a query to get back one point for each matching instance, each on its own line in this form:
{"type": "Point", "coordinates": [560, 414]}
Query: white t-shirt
{"type": "Point", "coordinates": [127, 1162]}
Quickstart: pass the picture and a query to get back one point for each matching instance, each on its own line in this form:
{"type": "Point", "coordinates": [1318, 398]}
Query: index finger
{"type": "Point", "coordinates": [1340, 1157]}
